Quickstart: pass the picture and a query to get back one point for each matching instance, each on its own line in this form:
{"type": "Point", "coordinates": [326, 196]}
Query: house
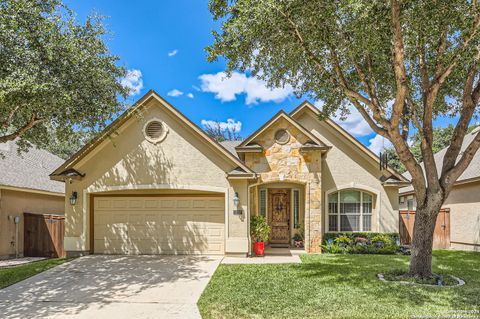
{"type": "Point", "coordinates": [459, 220]}
{"type": "Point", "coordinates": [25, 188]}
{"type": "Point", "coordinates": [154, 183]}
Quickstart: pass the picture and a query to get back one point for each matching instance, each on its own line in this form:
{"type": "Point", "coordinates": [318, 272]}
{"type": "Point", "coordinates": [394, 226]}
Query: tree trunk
{"type": "Point", "coordinates": [423, 229]}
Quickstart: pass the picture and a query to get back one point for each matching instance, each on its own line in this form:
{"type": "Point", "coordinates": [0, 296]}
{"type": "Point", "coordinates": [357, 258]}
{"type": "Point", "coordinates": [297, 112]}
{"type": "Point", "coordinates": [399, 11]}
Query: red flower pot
{"type": "Point", "coordinates": [259, 248]}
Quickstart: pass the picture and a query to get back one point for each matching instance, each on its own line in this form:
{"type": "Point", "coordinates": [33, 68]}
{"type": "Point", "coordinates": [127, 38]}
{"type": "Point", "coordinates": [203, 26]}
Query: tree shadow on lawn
{"type": "Point", "coordinates": [359, 272]}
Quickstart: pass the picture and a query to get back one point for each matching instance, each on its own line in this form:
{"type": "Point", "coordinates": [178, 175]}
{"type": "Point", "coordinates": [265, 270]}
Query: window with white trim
{"type": "Point", "coordinates": [350, 210]}
{"type": "Point", "coordinates": [263, 202]}
{"type": "Point", "coordinates": [296, 208]}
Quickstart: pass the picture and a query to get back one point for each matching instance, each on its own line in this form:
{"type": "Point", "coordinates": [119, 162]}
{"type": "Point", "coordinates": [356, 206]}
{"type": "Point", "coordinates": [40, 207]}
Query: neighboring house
{"type": "Point", "coordinates": [463, 203]}
{"type": "Point", "coordinates": [153, 182]}
{"type": "Point", "coordinates": [25, 188]}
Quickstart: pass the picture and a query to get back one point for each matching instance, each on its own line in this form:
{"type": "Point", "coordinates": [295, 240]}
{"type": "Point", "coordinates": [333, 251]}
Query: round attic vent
{"type": "Point", "coordinates": [155, 131]}
{"type": "Point", "coordinates": [282, 136]}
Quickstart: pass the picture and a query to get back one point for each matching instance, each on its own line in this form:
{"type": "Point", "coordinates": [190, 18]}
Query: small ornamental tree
{"type": "Point", "coordinates": [57, 77]}
{"type": "Point", "coordinates": [400, 63]}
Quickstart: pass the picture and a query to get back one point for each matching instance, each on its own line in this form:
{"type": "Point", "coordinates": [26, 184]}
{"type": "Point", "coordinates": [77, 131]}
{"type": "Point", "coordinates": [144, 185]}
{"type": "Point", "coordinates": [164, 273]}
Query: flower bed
{"type": "Point", "coordinates": [361, 243]}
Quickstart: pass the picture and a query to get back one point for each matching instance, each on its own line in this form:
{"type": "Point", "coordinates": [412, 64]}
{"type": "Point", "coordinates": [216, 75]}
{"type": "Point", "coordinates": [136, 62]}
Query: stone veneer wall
{"type": "Point", "coordinates": [287, 163]}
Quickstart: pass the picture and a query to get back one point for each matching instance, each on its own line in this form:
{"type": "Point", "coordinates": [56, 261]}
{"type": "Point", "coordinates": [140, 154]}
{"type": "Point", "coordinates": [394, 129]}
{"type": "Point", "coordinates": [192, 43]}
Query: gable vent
{"type": "Point", "coordinates": [154, 130]}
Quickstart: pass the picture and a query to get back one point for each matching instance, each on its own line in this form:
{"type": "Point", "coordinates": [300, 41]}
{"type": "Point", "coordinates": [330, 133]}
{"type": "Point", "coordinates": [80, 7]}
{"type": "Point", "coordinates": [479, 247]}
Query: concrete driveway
{"type": "Point", "coordinates": [113, 287]}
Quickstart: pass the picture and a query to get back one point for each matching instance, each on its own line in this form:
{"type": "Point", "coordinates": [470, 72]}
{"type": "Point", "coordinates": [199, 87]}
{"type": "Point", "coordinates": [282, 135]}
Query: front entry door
{"type": "Point", "coordinates": [279, 215]}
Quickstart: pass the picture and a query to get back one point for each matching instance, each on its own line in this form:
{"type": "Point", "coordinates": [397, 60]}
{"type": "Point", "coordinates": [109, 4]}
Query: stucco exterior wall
{"type": "Point", "coordinates": [127, 161]}
{"type": "Point", "coordinates": [464, 205]}
{"type": "Point", "coordinates": [345, 166]}
{"type": "Point", "coordinates": [15, 203]}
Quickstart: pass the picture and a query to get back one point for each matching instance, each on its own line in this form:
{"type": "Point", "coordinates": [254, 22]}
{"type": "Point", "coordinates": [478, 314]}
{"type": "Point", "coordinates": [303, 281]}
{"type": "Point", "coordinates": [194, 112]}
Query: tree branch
{"type": "Point", "coordinates": [34, 120]}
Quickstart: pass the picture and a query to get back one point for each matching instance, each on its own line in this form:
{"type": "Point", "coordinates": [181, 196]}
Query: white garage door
{"type": "Point", "coordinates": [159, 225]}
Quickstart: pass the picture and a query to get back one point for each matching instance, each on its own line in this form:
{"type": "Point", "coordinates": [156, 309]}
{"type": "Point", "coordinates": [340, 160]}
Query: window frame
{"type": "Point", "coordinates": [338, 212]}
{"type": "Point", "coordinates": [264, 190]}
{"type": "Point", "coordinates": [296, 223]}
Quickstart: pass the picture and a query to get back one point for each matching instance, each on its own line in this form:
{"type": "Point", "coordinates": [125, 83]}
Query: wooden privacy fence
{"type": "Point", "coordinates": [441, 235]}
{"type": "Point", "coordinates": [43, 235]}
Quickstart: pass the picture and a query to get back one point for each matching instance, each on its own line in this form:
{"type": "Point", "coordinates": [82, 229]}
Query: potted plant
{"type": "Point", "coordinates": [299, 237]}
{"type": "Point", "coordinates": [259, 230]}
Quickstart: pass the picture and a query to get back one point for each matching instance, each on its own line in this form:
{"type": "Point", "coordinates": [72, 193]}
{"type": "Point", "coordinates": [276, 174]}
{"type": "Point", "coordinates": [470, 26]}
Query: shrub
{"type": "Point", "coordinates": [259, 229]}
{"type": "Point", "coordinates": [360, 243]}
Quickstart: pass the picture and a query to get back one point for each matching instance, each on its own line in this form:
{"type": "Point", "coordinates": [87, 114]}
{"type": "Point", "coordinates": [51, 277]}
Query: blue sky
{"type": "Point", "coordinates": [162, 43]}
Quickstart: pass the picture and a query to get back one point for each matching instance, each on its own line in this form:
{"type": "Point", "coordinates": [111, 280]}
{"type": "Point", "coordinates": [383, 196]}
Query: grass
{"type": "Point", "coordinates": [9, 276]}
{"type": "Point", "coordinates": [340, 286]}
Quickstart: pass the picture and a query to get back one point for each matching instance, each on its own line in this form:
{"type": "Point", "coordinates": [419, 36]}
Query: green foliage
{"type": "Point", "coordinates": [57, 76]}
{"type": "Point", "coordinates": [360, 243]}
{"type": "Point", "coordinates": [300, 233]}
{"type": "Point", "coordinates": [259, 228]}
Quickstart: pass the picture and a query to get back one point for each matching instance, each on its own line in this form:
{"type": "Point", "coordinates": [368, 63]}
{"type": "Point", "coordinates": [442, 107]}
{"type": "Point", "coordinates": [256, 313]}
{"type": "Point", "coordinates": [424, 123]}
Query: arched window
{"type": "Point", "coordinates": [350, 210]}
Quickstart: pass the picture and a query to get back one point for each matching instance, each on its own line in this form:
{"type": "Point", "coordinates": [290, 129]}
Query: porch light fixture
{"type": "Point", "coordinates": [236, 200]}
{"type": "Point", "coordinates": [73, 198]}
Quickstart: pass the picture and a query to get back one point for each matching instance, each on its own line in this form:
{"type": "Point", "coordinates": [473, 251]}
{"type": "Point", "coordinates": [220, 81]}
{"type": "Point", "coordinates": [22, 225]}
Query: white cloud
{"type": "Point", "coordinates": [378, 143]}
{"type": "Point", "coordinates": [230, 124]}
{"type": "Point", "coordinates": [190, 95]}
{"type": "Point", "coordinates": [227, 88]}
{"type": "Point", "coordinates": [133, 81]}
{"type": "Point", "coordinates": [175, 93]}
{"type": "Point", "coordinates": [173, 53]}
{"type": "Point", "coordinates": [353, 123]}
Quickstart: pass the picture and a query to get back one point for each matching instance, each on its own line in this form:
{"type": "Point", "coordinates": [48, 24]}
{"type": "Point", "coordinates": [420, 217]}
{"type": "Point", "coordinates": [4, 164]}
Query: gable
{"type": "Point", "coordinates": [307, 111]}
{"type": "Point", "coordinates": [141, 109]}
{"type": "Point", "coordinates": [286, 120]}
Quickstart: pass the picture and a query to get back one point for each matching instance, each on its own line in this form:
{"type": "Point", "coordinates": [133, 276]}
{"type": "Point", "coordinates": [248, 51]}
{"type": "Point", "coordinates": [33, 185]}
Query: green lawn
{"type": "Point", "coordinates": [339, 286]}
{"type": "Point", "coordinates": [9, 276]}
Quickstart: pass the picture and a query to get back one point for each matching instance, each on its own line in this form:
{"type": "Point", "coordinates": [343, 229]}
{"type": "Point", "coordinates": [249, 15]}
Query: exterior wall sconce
{"type": "Point", "coordinates": [236, 200]}
{"type": "Point", "coordinates": [236, 203]}
{"type": "Point", "coordinates": [73, 198]}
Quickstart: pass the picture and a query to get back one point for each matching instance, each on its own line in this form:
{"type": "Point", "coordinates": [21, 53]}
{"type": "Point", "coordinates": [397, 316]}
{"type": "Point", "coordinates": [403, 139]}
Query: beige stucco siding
{"type": "Point", "coordinates": [346, 166]}
{"type": "Point", "coordinates": [15, 203]}
{"type": "Point", "coordinates": [127, 161]}
{"type": "Point", "coordinates": [464, 204]}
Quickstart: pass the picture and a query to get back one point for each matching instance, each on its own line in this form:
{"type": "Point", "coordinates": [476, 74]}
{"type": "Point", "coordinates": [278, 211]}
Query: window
{"type": "Point", "coordinates": [350, 210]}
{"type": "Point", "coordinates": [402, 199]}
{"type": "Point", "coordinates": [282, 136]}
{"type": "Point", "coordinates": [296, 208]}
{"type": "Point", "coordinates": [263, 202]}
{"type": "Point", "coordinates": [410, 204]}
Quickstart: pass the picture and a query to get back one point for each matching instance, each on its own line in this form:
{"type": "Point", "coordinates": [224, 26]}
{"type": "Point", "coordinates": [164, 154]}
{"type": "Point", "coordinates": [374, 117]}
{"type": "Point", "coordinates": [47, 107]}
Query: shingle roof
{"type": "Point", "coordinates": [28, 169]}
{"type": "Point", "coordinates": [230, 146]}
{"type": "Point", "coordinates": [472, 171]}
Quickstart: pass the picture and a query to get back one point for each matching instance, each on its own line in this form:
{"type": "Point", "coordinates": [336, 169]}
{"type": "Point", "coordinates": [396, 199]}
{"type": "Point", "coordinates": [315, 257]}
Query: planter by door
{"type": "Point", "coordinates": [259, 248]}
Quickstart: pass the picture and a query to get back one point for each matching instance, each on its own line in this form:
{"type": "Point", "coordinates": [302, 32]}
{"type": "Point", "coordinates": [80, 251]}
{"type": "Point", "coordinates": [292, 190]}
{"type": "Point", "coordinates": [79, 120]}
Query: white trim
{"type": "Point", "coordinates": [161, 137]}
{"type": "Point", "coordinates": [359, 187]}
{"type": "Point", "coordinates": [31, 190]}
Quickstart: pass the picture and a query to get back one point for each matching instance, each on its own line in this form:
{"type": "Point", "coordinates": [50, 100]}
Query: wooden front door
{"type": "Point", "coordinates": [279, 215]}
{"type": "Point", "coordinates": [441, 235]}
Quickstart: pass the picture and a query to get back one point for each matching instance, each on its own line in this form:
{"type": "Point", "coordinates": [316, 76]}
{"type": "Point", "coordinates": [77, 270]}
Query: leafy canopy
{"type": "Point", "coordinates": [57, 77]}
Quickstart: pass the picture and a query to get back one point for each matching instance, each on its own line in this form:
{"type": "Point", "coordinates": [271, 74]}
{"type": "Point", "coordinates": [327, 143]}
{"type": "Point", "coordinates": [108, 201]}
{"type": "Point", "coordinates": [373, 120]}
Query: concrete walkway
{"type": "Point", "coordinates": [113, 287]}
{"type": "Point", "coordinates": [13, 262]}
{"type": "Point", "coordinates": [272, 256]}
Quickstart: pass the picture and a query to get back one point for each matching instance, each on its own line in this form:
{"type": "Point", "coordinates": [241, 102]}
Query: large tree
{"type": "Point", "coordinates": [57, 77]}
{"type": "Point", "coordinates": [400, 63]}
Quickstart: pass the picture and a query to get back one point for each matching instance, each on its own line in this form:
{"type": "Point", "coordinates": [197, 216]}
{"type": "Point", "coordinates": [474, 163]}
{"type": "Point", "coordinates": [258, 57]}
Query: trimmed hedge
{"type": "Point", "coordinates": [361, 243]}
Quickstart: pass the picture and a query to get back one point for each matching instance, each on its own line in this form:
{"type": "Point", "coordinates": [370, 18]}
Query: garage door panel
{"type": "Point", "coordinates": [159, 225]}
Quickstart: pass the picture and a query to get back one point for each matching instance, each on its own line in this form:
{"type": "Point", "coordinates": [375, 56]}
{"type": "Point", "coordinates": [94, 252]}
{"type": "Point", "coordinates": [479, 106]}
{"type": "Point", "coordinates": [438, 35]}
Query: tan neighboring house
{"type": "Point", "coordinates": [154, 183]}
{"type": "Point", "coordinates": [462, 221]}
{"type": "Point", "coordinates": [25, 188]}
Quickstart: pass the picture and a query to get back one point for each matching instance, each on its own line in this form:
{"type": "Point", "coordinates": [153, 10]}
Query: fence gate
{"type": "Point", "coordinates": [43, 235]}
{"type": "Point", "coordinates": [441, 235]}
